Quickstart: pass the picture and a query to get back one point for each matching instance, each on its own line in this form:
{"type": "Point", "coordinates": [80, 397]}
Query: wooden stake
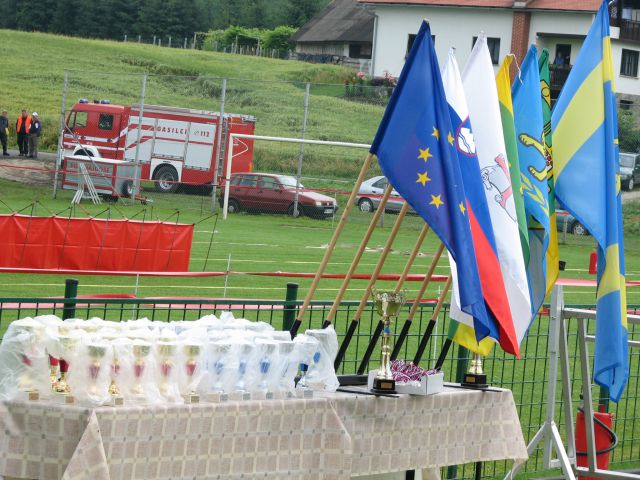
{"type": "Point", "coordinates": [432, 322]}
{"type": "Point", "coordinates": [374, 276]}
{"type": "Point", "coordinates": [358, 256]}
{"type": "Point", "coordinates": [378, 330]}
{"type": "Point", "coordinates": [332, 244]}
{"type": "Point", "coordinates": [416, 304]}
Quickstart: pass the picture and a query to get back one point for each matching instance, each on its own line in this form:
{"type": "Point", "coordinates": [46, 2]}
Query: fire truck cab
{"type": "Point", "coordinates": [172, 145]}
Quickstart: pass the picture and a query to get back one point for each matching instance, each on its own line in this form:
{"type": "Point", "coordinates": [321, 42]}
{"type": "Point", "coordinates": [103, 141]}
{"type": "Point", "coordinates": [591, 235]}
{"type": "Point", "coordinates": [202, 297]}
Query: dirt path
{"type": "Point", "coordinates": [28, 170]}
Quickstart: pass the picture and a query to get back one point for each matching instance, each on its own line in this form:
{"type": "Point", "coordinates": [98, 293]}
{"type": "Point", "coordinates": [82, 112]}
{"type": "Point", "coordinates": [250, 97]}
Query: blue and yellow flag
{"type": "Point", "coordinates": [587, 171]}
{"type": "Point", "coordinates": [529, 123]}
{"type": "Point", "coordinates": [416, 150]}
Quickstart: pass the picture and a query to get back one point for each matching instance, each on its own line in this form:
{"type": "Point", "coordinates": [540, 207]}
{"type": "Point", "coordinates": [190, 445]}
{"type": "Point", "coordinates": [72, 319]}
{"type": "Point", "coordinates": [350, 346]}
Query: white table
{"type": "Point", "coordinates": [332, 436]}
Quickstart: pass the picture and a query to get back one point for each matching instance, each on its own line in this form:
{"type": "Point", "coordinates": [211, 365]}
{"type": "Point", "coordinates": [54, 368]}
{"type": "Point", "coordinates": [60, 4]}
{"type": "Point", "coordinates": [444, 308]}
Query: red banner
{"type": "Point", "coordinates": [58, 243]}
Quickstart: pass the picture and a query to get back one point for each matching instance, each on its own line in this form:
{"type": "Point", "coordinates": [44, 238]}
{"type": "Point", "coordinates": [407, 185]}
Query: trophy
{"type": "Point", "coordinates": [31, 334]}
{"type": "Point", "coordinates": [387, 305]}
{"type": "Point", "coordinates": [192, 352]}
{"type": "Point", "coordinates": [220, 351]}
{"type": "Point", "coordinates": [114, 390]}
{"type": "Point", "coordinates": [53, 369]}
{"type": "Point", "coordinates": [287, 370]}
{"type": "Point", "coordinates": [68, 345]}
{"type": "Point", "coordinates": [241, 392]}
{"type": "Point", "coordinates": [166, 351]}
{"type": "Point", "coordinates": [475, 376]}
{"type": "Point", "coordinates": [268, 348]}
{"type": "Point", "coordinates": [140, 352]}
{"type": "Point", "coordinates": [96, 353]}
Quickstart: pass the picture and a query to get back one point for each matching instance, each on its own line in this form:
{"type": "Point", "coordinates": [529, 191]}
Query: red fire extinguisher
{"type": "Point", "coordinates": [605, 439]}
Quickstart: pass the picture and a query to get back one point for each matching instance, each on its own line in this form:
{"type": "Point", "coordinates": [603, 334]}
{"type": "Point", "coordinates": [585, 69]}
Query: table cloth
{"type": "Point", "coordinates": [331, 436]}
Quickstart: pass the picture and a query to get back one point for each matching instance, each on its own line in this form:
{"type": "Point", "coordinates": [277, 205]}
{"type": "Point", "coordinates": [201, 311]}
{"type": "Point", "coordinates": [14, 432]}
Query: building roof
{"type": "Point", "coordinates": [566, 5]}
{"type": "Point", "coordinates": [340, 21]}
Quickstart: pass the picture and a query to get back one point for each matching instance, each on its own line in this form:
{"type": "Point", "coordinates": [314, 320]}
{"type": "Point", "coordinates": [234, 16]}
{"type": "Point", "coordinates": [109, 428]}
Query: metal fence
{"type": "Point", "coordinates": [527, 377]}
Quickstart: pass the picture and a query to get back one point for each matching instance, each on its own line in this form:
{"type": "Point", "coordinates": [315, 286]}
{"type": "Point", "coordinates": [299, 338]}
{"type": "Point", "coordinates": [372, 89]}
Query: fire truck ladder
{"type": "Point", "coordinates": [85, 182]}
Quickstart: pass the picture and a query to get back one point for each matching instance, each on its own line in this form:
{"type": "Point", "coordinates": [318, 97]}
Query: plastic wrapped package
{"type": "Point", "coordinates": [244, 354]}
{"type": "Point", "coordinates": [23, 361]}
{"type": "Point", "coordinates": [286, 366]}
{"type": "Point", "coordinates": [322, 374]}
{"type": "Point", "coordinates": [267, 357]}
{"type": "Point", "coordinates": [145, 388]}
{"type": "Point", "coordinates": [166, 354]}
{"type": "Point", "coordinates": [89, 378]}
{"type": "Point", "coordinates": [306, 347]}
{"type": "Point", "coordinates": [220, 366]}
{"type": "Point", "coordinates": [190, 358]}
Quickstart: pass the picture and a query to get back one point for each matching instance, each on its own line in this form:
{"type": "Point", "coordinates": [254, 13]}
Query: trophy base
{"type": "Point", "coordinates": [191, 398]}
{"type": "Point", "coordinates": [304, 393]}
{"type": "Point", "coordinates": [216, 397]}
{"type": "Point", "coordinates": [475, 380]}
{"type": "Point", "coordinates": [29, 396]}
{"type": "Point", "coordinates": [383, 385]}
{"type": "Point", "coordinates": [115, 401]}
{"type": "Point", "coordinates": [64, 398]}
{"type": "Point", "coordinates": [240, 396]}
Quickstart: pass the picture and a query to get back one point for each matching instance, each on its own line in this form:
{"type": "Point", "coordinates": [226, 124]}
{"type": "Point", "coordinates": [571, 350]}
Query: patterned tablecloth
{"type": "Point", "coordinates": [332, 436]}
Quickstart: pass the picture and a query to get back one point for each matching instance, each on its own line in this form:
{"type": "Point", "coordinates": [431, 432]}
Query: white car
{"type": "Point", "coordinates": [371, 192]}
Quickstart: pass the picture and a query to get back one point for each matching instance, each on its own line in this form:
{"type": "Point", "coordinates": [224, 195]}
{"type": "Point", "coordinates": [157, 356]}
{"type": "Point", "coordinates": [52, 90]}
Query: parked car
{"type": "Point", "coordinates": [270, 193]}
{"type": "Point", "coordinates": [629, 170]}
{"type": "Point", "coordinates": [572, 225]}
{"type": "Point", "coordinates": [370, 194]}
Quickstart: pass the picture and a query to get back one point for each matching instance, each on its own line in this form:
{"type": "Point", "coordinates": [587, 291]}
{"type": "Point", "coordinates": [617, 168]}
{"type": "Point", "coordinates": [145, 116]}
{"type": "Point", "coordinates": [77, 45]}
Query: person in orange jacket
{"type": "Point", "coordinates": [23, 124]}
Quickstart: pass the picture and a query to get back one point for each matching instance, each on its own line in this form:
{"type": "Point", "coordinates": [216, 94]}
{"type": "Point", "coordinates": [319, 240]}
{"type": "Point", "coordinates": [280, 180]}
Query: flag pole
{"type": "Point", "coordinates": [367, 291]}
{"type": "Point", "coordinates": [414, 308]}
{"type": "Point", "coordinates": [332, 244]}
{"type": "Point", "coordinates": [376, 334]}
{"type": "Point", "coordinates": [358, 256]}
{"type": "Point", "coordinates": [432, 322]}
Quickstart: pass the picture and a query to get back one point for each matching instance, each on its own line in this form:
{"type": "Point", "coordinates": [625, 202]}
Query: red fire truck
{"type": "Point", "coordinates": [175, 144]}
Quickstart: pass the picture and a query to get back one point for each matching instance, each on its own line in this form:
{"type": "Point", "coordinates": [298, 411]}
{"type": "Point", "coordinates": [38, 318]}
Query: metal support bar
{"type": "Point", "coordinates": [586, 394]}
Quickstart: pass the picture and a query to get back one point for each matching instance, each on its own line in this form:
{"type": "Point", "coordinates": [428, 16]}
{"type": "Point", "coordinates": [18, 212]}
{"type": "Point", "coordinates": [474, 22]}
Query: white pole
{"type": "Point", "coordinates": [136, 161]}
{"type": "Point", "coordinates": [62, 129]}
{"type": "Point", "coordinates": [227, 177]}
{"type": "Point", "coordinates": [226, 277]}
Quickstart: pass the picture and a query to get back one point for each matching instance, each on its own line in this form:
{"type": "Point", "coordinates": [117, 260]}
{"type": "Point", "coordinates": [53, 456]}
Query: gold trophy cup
{"type": "Point", "coordinates": [96, 353]}
{"type": "Point", "coordinates": [192, 352]}
{"type": "Point", "coordinates": [388, 305]}
{"type": "Point", "coordinates": [68, 347]}
{"type": "Point", "coordinates": [166, 351]}
{"type": "Point", "coordinates": [475, 376]}
{"type": "Point", "coordinates": [140, 352]}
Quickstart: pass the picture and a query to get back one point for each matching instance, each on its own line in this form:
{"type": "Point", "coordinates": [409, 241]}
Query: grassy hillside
{"type": "Point", "coordinates": [271, 90]}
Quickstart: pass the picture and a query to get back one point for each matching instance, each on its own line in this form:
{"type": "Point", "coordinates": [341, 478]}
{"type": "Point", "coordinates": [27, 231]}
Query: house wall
{"type": "Point", "coordinates": [452, 27]}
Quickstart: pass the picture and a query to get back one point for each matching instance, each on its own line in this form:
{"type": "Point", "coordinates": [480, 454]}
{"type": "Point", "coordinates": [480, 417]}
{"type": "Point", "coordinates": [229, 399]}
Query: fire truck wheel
{"type": "Point", "coordinates": [127, 189]}
{"type": "Point", "coordinates": [166, 179]}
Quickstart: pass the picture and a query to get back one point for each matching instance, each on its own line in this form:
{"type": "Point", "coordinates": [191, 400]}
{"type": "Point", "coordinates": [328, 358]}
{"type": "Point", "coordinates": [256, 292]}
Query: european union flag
{"type": "Point", "coordinates": [416, 151]}
{"type": "Point", "coordinates": [587, 172]}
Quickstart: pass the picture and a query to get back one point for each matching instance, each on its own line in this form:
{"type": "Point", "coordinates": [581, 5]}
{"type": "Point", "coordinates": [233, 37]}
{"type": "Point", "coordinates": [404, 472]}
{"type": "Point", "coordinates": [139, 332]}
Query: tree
{"type": "Point", "coordinates": [628, 132]}
{"type": "Point", "coordinates": [8, 10]}
{"type": "Point", "coordinates": [278, 38]}
{"type": "Point", "coordinates": [301, 11]}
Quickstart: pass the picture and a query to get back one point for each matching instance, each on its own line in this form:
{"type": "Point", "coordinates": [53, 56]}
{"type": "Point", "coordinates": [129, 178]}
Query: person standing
{"type": "Point", "coordinates": [4, 131]}
{"type": "Point", "coordinates": [23, 124]}
{"type": "Point", "coordinates": [34, 135]}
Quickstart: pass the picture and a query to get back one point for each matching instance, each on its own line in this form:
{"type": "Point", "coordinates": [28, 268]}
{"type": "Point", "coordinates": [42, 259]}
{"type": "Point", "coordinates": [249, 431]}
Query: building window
{"type": "Point", "coordinates": [626, 104]}
{"type": "Point", "coordinates": [494, 48]}
{"type": "Point", "coordinates": [412, 38]}
{"type": "Point", "coordinates": [629, 63]}
{"type": "Point", "coordinates": [563, 54]}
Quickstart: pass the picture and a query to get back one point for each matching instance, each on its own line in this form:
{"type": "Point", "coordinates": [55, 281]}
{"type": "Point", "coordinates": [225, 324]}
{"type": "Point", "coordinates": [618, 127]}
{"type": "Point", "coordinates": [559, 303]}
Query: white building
{"type": "Point", "coordinates": [511, 26]}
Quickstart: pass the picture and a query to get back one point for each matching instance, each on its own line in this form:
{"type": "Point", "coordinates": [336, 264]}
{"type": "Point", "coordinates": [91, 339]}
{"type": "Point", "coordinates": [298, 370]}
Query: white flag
{"type": "Point", "coordinates": [481, 93]}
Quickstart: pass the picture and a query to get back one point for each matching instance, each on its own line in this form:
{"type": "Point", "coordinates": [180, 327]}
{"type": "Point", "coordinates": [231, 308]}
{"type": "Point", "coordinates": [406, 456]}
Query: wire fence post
{"type": "Point", "coordinates": [305, 114]}
{"type": "Point", "coordinates": [289, 314]}
{"type": "Point", "coordinates": [219, 165]}
{"type": "Point", "coordinates": [61, 131]}
{"type": "Point", "coordinates": [70, 291]}
{"type": "Point", "coordinates": [136, 175]}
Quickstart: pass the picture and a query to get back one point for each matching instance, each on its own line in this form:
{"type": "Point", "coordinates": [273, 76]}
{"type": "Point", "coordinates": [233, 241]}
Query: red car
{"type": "Point", "coordinates": [270, 193]}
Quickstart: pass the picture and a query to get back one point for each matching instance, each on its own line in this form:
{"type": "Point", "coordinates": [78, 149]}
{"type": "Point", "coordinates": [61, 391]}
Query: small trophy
{"type": "Point", "coordinates": [96, 353]}
{"type": "Point", "coordinates": [166, 352]}
{"type": "Point", "coordinates": [387, 305]}
{"type": "Point", "coordinates": [68, 346]}
{"type": "Point", "coordinates": [140, 352]}
{"type": "Point", "coordinates": [192, 351]}
{"type": "Point", "coordinates": [29, 346]}
{"type": "Point", "coordinates": [240, 392]}
{"type": "Point", "coordinates": [265, 366]}
{"type": "Point", "coordinates": [114, 390]}
{"type": "Point", "coordinates": [475, 376]}
{"type": "Point", "coordinates": [220, 352]}
{"type": "Point", "coordinates": [53, 371]}
{"type": "Point", "coordinates": [286, 382]}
